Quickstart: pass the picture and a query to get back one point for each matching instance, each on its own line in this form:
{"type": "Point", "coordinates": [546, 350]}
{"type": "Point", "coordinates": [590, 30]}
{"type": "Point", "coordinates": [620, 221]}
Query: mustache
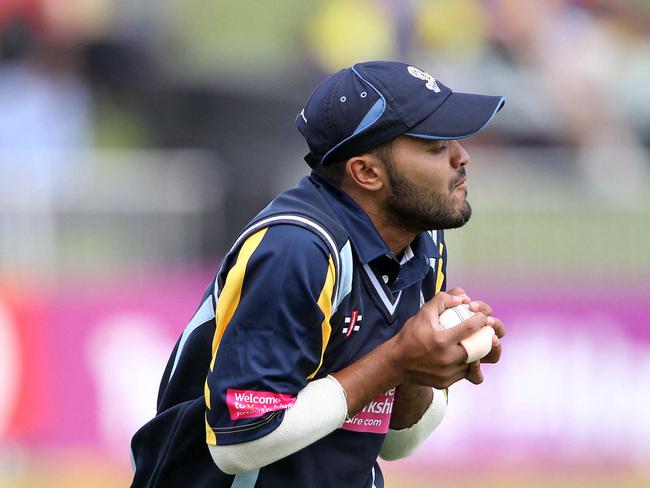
{"type": "Point", "coordinates": [461, 173]}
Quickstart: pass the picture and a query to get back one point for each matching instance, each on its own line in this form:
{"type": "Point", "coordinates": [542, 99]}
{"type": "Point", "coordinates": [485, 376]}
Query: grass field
{"type": "Point", "coordinates": [524, 479]}
{"type": "Point", "coordinates": [81, 470]}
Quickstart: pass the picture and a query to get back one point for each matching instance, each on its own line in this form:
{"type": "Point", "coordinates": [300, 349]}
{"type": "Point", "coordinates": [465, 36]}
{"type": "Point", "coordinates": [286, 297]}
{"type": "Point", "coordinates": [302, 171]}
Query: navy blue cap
{"type": "Point", "coordinates": [362, 107]}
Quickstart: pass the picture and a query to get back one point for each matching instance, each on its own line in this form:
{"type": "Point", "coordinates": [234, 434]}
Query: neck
{"type": "Point", "coordinates": [397, 238]}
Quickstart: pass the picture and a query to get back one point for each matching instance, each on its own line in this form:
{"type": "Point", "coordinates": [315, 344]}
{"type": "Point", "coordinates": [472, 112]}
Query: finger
{"type": "Point", "coordinates": [434, 307]}
{"type": "Point", "coordinates": [458, 291]}
{"type": "Point", "coordinates": [466, 328]}
{"type": "Point", "coordinates": [479, 306]}
{"type": "Point", "coordinates": [495, 353]}
{"type": "Point", "coordinates": [497, 325]}
{"type": "Point", "coordinates": [478, 344]}
{"type": "Point", "coordinates": [493, 356]}
{"type": "Point", "coordinates": [453, 379]}
{"type": "Point", "coordinates": [459, 366]}
{"type": "Point", "coordinates": [474, 373]}
{"type": "Point", "coordinates": [458, 356]}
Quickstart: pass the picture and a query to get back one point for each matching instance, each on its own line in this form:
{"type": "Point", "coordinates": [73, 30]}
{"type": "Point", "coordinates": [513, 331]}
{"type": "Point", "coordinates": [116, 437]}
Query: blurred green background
{"type": "Point", "coordinates": [136, 138]}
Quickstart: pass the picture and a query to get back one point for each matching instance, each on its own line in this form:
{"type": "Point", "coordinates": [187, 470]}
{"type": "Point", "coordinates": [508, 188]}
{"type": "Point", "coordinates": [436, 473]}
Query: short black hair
{"type": "Point", "coordinates": [334, 172]}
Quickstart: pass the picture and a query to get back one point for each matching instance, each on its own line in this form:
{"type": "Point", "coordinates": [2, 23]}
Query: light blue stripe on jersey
{"type": "Point", "coordinates": [202, 315]}
{"type": "Point", "coordinates": [245, 480]}
{"type": "Point", "coordinates": [345, 275]}
{"type": "Point", "coordinates": [390, 306]}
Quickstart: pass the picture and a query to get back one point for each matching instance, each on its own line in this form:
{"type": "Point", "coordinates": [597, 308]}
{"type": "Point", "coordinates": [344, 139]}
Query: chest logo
{"type": "Point", "coordinates": [352, 323]}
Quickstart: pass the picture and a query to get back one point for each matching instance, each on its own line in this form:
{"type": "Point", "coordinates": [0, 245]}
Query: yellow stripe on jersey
{"type": "Point", "coordinates": [229, 300]}
{"type": "Point", "coordinates": [231, 293]}
{"type": "Point", "coordinates": [226, 306]}
{"type": "Point", "coordinates": [206, 393]}
{"type": "Point", "coordinates": [325, 304]}
{"type": "Point", "coordinates": [440, 278]}
{"type": "Point", "coordinates": [211, 438]}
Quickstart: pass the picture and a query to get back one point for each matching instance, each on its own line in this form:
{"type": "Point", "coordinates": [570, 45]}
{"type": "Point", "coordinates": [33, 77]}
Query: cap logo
{"type": "Point", "coordinates": [431, 81]}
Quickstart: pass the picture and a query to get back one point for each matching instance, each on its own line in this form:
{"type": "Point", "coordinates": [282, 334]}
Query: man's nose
{"type": "Point", "coordinates": [459, 157]}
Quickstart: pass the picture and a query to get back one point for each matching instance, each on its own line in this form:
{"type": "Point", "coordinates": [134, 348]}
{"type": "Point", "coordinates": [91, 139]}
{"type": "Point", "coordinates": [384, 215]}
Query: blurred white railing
{"type": "Point", "coordinates": [111, 208]}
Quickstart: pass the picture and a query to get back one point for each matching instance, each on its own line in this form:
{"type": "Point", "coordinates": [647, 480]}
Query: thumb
{"type": "Point", "coordinates": [434, 307]}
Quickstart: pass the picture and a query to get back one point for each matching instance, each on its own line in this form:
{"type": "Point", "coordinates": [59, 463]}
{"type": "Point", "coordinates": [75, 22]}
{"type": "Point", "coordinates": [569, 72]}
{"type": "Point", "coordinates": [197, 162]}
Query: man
{"type": "Point", "coordinates": [317, 347]}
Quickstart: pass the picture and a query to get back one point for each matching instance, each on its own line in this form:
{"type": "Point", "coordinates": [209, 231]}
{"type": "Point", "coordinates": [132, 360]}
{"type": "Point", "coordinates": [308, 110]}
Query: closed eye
{"type": "Point", "coordinates": [438, 149]}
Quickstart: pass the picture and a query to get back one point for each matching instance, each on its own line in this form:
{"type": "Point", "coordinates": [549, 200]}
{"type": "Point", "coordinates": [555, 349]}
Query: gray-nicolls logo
{"type": "Point", "coordinates": [352, 323]}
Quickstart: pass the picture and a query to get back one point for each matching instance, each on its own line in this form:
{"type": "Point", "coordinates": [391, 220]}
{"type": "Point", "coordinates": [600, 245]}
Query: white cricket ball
{"type": "Point", "coordinates": [479, 344]}
{"type": "Point", "coordinates": [454, 316]}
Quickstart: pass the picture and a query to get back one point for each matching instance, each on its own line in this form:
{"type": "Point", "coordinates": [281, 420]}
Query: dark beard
{"type": "Point", "coordinates": [415, 209]}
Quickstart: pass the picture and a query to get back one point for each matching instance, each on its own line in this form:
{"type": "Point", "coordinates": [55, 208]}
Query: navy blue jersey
{"type": "Point", "coordinates": [308, 288]}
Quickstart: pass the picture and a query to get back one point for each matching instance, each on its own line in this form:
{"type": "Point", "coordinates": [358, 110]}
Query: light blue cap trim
{"type": "Point", "coordinates": [373, 115]}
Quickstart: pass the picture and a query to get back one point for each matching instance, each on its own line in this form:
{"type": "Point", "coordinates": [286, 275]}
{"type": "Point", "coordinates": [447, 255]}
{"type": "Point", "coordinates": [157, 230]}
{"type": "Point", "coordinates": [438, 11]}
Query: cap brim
{"type": "Point", "coordinates": [460, 115]}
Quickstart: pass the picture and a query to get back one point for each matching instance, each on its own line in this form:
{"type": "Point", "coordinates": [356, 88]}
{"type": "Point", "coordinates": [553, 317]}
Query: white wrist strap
{"type": "Point", "coordinates": [320, 408]}
{"type": "Point", "coordinates": [401, 443]}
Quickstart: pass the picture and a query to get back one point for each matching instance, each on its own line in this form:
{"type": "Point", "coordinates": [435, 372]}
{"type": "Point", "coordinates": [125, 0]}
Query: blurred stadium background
{"type": "Point", "coordinates": [136, 138]}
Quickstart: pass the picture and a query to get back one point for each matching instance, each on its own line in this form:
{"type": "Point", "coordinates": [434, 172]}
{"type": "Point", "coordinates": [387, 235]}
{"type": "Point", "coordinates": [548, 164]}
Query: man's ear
{"type": "Point", "coordinates": [366, 171]}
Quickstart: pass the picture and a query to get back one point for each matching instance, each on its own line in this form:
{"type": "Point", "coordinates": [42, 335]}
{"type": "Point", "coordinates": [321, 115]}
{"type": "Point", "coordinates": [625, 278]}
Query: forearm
{"type": "Point", "coordinates": [370, 376]}
{"type": "Point", "coordinates": [401, 442]}
{"type": "Point", "coordinates": [421, 353]}
{"type": "Point", "coordinates": [319, 409]}
{"type": "Point", "coordinates": [411, 401]}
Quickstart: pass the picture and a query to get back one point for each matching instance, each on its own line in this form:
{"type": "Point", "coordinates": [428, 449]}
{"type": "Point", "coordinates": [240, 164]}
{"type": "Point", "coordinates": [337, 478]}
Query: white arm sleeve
{"type": "Point", "coordinates": [401, 443]}
{"type": "Point", "coordinates": [320, 408]}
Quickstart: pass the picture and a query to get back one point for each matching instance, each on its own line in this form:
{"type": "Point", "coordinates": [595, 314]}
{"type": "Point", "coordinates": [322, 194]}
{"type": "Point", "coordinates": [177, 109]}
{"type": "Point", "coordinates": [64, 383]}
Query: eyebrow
{"type": "Point", "coordinates": [434, 142]}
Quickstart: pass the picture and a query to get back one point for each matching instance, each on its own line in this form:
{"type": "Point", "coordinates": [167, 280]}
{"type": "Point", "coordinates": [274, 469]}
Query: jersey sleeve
{"type": "Point", "coordinates": [272, 327]}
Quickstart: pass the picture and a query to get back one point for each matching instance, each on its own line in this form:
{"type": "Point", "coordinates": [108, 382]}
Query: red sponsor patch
{"type": "Point", "coordinates": [375, 416]}
{"type": "Point", "coordinates": [244, 404]}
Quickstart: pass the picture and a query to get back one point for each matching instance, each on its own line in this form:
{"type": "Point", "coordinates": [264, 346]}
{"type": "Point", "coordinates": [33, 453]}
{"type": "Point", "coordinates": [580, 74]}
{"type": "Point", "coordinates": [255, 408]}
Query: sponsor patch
{"type": "Point", "coordinates": [245, 404]}
{"type": "Point", "coordinates": [375, 416]}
